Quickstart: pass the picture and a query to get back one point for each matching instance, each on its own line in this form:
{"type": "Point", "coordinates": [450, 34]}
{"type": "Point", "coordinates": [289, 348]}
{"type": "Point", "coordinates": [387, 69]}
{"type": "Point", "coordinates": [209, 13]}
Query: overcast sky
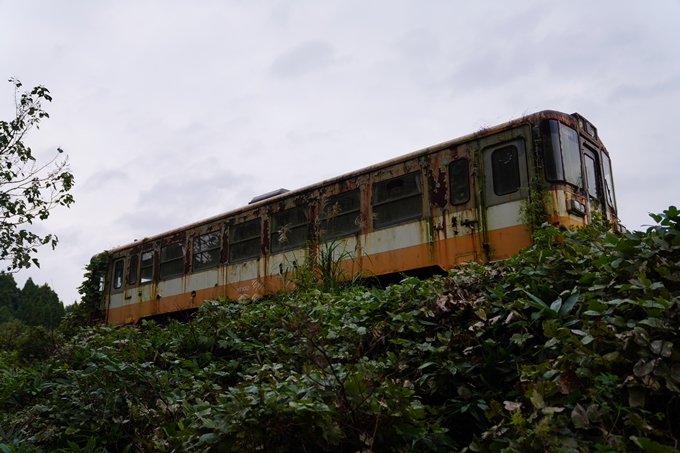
{"type": "Point", "coordinates": [173, 111]}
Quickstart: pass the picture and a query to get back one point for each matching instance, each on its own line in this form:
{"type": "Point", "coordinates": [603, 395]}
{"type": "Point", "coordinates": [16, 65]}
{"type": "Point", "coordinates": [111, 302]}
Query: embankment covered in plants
{"type": "Point", "coordinates": [571, 346]}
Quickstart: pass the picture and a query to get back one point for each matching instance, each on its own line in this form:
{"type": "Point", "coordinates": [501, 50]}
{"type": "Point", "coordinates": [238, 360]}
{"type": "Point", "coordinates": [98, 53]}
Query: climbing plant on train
{"type": "Point", "coordinates": [29, 188]}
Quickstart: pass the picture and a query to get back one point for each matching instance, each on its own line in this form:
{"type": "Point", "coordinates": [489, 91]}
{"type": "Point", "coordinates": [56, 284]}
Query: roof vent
{"type": "Point", "coordinates": [268, 195]}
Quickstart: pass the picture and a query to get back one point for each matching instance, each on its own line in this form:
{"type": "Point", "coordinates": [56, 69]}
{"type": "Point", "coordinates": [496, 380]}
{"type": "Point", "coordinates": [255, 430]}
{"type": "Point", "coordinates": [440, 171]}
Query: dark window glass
{"type": "Point", "coordinates": [571, 156]}
{"type": "Point", "coordinates": [206, 251]}
{"type": "Point", "coordinates": [459, 180]}
{"type": "Point", "coordinates": [289, 229]}
{"type": "Point", "coordinates": [552, 154]}
{"type": "Point", "coordinates": [244, 240]}
{"type": "Point", "coordinates": [118, 268]}
{"type": "Point", "coordinates": [591, 176]}
{"type": "Point", "coordinates": [172, 260]}
{"type": "Point", "coordinates": [505, 169]}
{"type": "Point", "coordinates": [608, 181]}
{"type": "Point", "coordinates": [339, 215]}
{"type": "Point", "coordinates": [397, 200]}
{"type": "Point", "coordinates": [146, 269]}
{"type": "Point", "coordinates": [561, 154]}
{"type": "Point", "coordinates": [132, 274]}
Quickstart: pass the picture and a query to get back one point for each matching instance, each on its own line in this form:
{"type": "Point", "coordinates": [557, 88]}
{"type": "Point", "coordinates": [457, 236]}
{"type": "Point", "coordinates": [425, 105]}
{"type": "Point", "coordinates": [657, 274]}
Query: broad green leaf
{"type": "Point", "coordinates": [650, 446]}
{"type": "Point", "coordinates": [569, 304]}
{"type": "Point", "coordinates": [556, 305]}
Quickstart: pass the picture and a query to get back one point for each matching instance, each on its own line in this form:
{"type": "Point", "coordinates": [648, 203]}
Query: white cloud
{"type": "Point", "coordinates": [172, 112]}
{"type": "Point", "coordinates": [303, 59]}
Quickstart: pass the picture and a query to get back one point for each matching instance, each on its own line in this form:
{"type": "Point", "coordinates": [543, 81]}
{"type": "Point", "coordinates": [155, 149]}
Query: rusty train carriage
{"type": "Point", "coordinates": [450, 203]}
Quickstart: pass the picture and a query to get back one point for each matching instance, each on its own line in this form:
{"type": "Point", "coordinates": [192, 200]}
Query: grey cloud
{"type": "Point", "coordinates": [101, 179]}
{"type": "Point", "coordinates": [307, 57]}
{"type": "Point", "coordinates": [298, 137]}
{"type": "Point", "coordinates": [174, 200]}
{"type": "Point", "coordinates": [645, 91]}
{"type": "Point", "coordinates": [417, 44]}
{"type": "Point", "coordinates": [493, 68]}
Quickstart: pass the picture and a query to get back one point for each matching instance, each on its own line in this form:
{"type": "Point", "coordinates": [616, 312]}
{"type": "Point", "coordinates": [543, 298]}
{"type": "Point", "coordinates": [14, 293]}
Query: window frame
{"type": "Point", "coordinates": [329, 207]}
{"type": "Point", "coordinates": [491, 198]}
{"type": "Point", "coordinates": [277, 246]}
{"type": "Point", "coordinates": [165, 262]}
{"type": "Point", "coordinates": [609, 192]}
{"type": "Point", "coordinates": [500, 181]}
{"type": "Point", "coordinates": [212, 250]}
{"type": "Point", "coordinates": [466, 162]}
{"type": "Point", "coordinates": [399, 199]}
{"type": "Point", "coordinates": [118, 275]}
{"type": "Point", "coordinates": [146, 265]}
{"type": "Point", "coordinates": [248, 239]}
{"type": "Point", "coordinates": [554, 135]}
{"type": "Point", "coordinates": [132, 269]}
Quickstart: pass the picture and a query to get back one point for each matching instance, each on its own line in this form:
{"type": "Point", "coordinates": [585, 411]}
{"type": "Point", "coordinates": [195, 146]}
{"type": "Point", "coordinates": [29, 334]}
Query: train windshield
{"type": "Point", "coordinates": [608, 181]}
{"type": "Point", "coordinates": [561, 153]}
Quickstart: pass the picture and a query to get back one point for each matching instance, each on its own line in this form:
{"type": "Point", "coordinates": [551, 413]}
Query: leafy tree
{"type": "Point", "coordinates": [5, 314]}
{"type": "Point", "coordinates": [10, 333]}
{"type": "Point", "coordinates": [28, 190]}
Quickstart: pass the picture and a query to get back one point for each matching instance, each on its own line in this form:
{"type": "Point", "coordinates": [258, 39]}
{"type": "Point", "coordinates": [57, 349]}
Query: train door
{"type": "Point", "coordinates": [465, 244]}
{"type": "Point", "coordinates": [505, 185]}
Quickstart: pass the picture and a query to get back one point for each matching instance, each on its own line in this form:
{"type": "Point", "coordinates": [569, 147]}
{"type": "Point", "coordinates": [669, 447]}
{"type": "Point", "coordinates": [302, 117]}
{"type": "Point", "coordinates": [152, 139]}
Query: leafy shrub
{"type": "Point", "coordinates": [570, 346]}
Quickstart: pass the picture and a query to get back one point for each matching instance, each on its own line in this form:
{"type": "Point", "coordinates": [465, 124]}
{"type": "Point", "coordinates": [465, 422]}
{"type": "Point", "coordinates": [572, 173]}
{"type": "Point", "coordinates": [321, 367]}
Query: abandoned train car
{"type": "Point", "coordinates": [455, 202]}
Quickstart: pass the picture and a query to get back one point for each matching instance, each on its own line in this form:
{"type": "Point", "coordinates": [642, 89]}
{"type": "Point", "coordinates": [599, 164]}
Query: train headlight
{"type": "Point", "coordinates": [576, 208]}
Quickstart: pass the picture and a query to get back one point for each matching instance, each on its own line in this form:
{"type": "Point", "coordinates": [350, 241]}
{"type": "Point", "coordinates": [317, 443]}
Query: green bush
{"type": "Point", "coordinates": [569, 346]}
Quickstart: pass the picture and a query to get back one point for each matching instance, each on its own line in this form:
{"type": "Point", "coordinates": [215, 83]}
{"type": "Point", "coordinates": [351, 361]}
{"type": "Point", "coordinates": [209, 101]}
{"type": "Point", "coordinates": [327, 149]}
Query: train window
{"type": "Point", "coordinates": [132, 272]}
{"type": "Point", "coordinates": [397, 200]}
{"type": "Point", "coordinates": [561, 153]}
{"type": "Point", "coordinates": [571, 155]}
{"type": "Point", "coordinates": [206, 251]}
{"type": "Point", "coordinates": [118, 268]}
{"type": "Point", "coordinates": [552, 154]}
{"type": "Point", "coordinates": [146, 269]}
{"type": "Point", "coordinates": [244, 240]}
{"type": "Point", "coordinates": [459, 180]}
{"type": "Point", "coordinates": [172, 260]}
{"type": "Point", "coordinates": [608, 181]}
{"type": "Point", "coordinates": [592, 175]}
{"type": "Point", "coordinates": [288, 229]}
{"type": "Point", "coordinates": [339, 215]}
{"type": "Point", "coordinates": [505, 169]}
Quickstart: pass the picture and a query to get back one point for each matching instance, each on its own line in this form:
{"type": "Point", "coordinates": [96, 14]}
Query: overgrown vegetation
{"type": "Point", "coordinates": [569, 347]}
{"type": "Point", "coordinates": [30, 309]}
{"type": "Point", "coordinates": [533, 210]}
{"type": "Point", "coordinates": [89, 308]}
{"type": "Point", "coordinates": [328, 268]}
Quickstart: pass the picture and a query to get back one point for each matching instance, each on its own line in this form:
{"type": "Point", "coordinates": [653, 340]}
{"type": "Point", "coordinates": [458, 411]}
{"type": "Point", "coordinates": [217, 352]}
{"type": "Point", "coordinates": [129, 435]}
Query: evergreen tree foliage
{"type": "Point", "coordinates": [9, 293]}
{"type": "Point", "coordinates": [33, 305]}
{"type": "Point", "coordinates": [39, 306]}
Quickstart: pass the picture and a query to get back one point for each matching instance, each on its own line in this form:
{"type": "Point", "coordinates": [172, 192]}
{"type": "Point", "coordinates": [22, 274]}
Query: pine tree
{"type": "Point", "coordinates": [9, 297]}
{"type": "Point", "coordinates": [39, 306]}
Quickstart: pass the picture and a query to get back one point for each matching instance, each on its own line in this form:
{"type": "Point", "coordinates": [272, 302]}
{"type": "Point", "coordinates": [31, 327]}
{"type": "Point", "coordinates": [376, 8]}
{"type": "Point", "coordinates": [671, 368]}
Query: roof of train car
{"type": "Point", "coordinates": [530, 118]}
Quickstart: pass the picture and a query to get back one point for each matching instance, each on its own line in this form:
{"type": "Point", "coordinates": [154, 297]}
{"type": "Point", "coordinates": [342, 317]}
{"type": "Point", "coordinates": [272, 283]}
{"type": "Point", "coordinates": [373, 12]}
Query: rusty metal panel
{"type": "Point", "coordinates": [241, 274]}
{"type": "Point", "coordinates": [395, 237]}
